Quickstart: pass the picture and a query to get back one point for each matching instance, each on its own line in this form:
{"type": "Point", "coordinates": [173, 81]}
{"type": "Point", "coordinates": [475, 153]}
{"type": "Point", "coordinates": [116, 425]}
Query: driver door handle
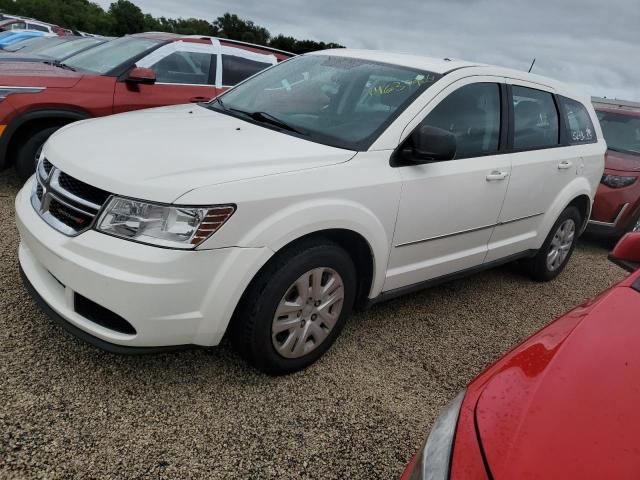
{"type": "Point", "coordinates": [497, 175]}
{"type": "Point", "coordinates": [565, 164]}
{"type": "Point", "coordinates": [199, 99]}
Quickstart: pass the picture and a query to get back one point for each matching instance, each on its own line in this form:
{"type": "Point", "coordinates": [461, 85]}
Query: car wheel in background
{"type": "Point", "coordinates": [556, 250]}
{"type": "Point", "coordinates": [28, 153]}
{"type": "Point", "coordinates": [296, 307]}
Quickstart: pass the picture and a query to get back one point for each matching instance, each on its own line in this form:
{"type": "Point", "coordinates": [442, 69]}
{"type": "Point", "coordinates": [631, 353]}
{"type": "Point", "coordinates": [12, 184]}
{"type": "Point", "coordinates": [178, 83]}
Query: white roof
{"type": "Point", "coordinates": [431, 64]}
{"type": "Point", "coordinates": [444, 65]}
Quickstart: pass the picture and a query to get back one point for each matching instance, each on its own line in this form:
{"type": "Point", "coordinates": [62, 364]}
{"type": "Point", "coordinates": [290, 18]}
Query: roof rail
{"type": "Point", "coordinates": [615, 102]}
{"type": "Point", "coordinates": [239, 42]}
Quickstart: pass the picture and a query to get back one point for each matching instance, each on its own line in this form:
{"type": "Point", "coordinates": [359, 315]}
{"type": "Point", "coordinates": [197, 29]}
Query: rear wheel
{"type": "Point", "coordinates": [554, 255]}
{"type": "Point", "coordinates": [28, 153]}
{"type": "Point", "coordinates": [294, 310]}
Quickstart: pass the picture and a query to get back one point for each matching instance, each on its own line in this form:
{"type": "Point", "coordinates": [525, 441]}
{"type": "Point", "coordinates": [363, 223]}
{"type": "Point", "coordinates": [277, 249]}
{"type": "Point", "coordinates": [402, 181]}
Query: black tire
{"type": "Point", "coordinates": [25, 160]}
{"type": "Point", "coordinates": [252, 322]}
{"type": "Point", "coordinates": [537, 267]}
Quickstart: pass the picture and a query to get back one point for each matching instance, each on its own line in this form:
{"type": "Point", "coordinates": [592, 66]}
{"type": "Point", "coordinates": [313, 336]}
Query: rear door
{"type": "Point", "coordinates": [185, 72]}
{"type": "Point", "coordinates": [541, 167]}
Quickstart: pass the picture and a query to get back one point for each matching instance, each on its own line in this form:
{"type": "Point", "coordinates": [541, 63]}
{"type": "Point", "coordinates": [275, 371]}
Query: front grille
{"type": "Point", "coordinates": [46, 165]}
{"type": "Point", "coordinates": [82, 190]}
{"type": "Point", "coordinates": [69, 216]}
{"type": "Point", "coordinates": [66, 203]}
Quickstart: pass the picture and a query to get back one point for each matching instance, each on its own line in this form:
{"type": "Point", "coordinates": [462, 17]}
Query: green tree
{"type": "Point", "coordinates": [127, 18]}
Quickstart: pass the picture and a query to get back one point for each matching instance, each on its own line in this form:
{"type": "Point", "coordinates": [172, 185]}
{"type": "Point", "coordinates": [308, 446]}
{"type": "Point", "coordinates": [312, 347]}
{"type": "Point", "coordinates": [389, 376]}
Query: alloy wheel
{"type": "Point", "coordinates": [561, 244]}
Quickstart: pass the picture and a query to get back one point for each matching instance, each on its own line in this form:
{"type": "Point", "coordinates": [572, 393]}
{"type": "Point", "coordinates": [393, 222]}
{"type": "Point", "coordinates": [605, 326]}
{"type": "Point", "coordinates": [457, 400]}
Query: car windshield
{"type": "Point", "coordinates": [106, 57]}
{"type": "Point", "coordinates": [338, 101]}
{"type": "Point", "coordinates": [33, 44]}
{"type": "Point", "coordinates": [67, 49]}
{"type": "Point", "coordinates": [622, 132]}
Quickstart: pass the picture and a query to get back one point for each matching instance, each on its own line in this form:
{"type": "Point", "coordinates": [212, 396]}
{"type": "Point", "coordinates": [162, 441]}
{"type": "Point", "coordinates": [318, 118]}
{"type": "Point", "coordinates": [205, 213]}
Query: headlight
{"type": "Point", "coordinates": [614, 181]}
{"type": "Point", "coordinates": [162, 225]}
{"type": "Point", "coordinates": [435, 458]}
{"type": "Point", "coordinates": [6, 91]}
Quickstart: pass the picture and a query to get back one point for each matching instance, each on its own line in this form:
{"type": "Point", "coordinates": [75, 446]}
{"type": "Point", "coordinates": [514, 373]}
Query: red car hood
{"type": "Point", "coordinates": [27, 74]}
{"type": "Point", "coordinates": [622, 161]}
{"type": "Point", "coordinates": [565, 404]}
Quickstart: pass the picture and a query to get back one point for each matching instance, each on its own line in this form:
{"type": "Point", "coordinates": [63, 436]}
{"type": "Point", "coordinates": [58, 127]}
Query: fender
{"type": "Point", "coordinates": [72, 115]}
{"type": "Point", "coordinates": [577, 187]}
{"type": "Point", "coordinates": [296, 221]}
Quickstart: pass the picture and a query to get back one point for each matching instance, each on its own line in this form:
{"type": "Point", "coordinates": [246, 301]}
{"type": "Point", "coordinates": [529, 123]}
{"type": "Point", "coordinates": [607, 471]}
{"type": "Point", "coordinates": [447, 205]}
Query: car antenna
{"type": "Point", "coordinates": [532, 63]}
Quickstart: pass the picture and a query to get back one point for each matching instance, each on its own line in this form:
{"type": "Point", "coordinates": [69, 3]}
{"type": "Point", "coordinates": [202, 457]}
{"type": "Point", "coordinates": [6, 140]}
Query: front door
{"type": "Point", "coordinates": [448, 209]}
{"type": "Point", "coordinates": [185, 72]}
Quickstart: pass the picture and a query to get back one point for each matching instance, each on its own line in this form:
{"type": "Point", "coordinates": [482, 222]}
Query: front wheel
{"type": "Point", "coordinates": [295, 308]}
{"type": "Point", "coordinates": [28, 153]}
{"type": "Point", "coordinates": [556, 250]}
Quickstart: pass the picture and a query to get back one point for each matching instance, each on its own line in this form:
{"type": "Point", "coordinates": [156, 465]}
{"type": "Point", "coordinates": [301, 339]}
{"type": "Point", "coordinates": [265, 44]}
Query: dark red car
{"type": "Point", "coordinates": [561, 405]}
{"type": "Point", "coordinates": [129, 73]}
{"type": "Point", "coordinates": [616, 209]}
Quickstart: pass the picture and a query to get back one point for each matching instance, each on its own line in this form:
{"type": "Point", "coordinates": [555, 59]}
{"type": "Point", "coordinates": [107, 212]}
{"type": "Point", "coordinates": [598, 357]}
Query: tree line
{"type": "Point", "coordinates": [124, 17]}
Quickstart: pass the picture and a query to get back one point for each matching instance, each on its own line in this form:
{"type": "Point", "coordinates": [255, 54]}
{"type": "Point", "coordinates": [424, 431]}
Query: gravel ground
{"type": "Point", "coordinates": [68, 410]}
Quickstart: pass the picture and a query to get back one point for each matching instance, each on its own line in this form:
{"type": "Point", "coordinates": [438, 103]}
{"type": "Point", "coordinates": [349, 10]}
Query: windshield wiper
{"type": "Point", "coordinates": [57, 63]}
{"type": "Point", "coordinates": [268, 118]}
{"type": "Point", "coordinates": [262, 117]}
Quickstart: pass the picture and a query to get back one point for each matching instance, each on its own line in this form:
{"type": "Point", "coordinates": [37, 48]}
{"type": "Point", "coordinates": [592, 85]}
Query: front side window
{"type": "Point", "coordinates": [106, 57]}
{"type": "Point", "coordinates": [237, 69]}
{"type": "Point", "coordinates": [339, 101]}
{"type": "Point", "coordinates": [621, 131]}
{"type": "Point", "coordinates": [472, 114]}
{"type": "Point", "coordinates": [578, 122]}
{"type": "Point", "coordinates": [17, 26]}
{"type": "Point", "coordinates": [191, 68]}
{"type": "Point", "coordinates": [535, 119]}
{"type": "Point", "coordinates": [40, 28]}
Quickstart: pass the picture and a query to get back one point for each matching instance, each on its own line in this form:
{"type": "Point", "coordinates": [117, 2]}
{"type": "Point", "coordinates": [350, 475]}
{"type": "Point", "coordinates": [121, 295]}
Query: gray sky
{"type": "Point", "coordinates": [594, 44]}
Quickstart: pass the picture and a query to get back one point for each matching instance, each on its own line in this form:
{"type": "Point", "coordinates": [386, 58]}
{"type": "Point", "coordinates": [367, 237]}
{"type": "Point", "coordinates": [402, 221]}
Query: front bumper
{"type": "Point", "coordinates": [170, 297]}
{"type": "Point", "coordinates": [615, 210]}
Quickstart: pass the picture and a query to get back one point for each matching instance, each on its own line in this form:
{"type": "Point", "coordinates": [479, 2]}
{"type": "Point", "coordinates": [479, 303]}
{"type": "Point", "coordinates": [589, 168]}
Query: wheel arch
{"type": "Point", "coordinates": [578, 193]}
{"type": "Point", "coordinates": [26, 123]}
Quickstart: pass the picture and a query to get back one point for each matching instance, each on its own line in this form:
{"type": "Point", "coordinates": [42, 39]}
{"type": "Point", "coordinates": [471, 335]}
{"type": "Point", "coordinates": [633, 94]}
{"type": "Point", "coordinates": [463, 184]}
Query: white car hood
{"type": "Point", "coordinates": [162, 153]}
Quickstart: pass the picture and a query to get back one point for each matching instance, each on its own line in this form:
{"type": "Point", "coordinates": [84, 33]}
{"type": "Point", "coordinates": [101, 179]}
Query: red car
{"type": "Point", "coordinates": [129, 73]}
{"type": "Point", "coordinates": [561, 405]}
{"type": "Point", "coordinates": [616, 208]}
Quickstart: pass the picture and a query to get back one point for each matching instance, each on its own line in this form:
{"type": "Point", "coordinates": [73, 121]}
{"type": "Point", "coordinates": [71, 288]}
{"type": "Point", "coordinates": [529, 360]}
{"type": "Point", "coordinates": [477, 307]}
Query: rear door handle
{"type": "Point", "coordinates": [565, 165]}
{"type": "Point", "coordinates": [497, 175]}
{"type": "Point", "coordinates": [199, 99]}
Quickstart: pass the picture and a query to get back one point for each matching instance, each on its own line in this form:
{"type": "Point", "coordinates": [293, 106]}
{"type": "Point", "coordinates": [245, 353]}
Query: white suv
{"type": "Point", "coordinates": [331, 181]}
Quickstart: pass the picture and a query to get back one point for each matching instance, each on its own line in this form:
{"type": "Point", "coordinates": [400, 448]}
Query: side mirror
{"type": "Point", "coordinates": [140, 75]}
{"type": "Point", "coordinates": [430, 144]}
{"type": "Point", "coordinates": [626, 253]}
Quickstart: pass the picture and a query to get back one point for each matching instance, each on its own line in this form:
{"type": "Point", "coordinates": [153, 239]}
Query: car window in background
{"type": "Point", "coordinates": [106, 57]}
{"type": "Point", "coordinates": [34, 44]}
{"type": "Point", "coordinates": [65, 49]}
{"type": "Point", "coordinates": [40, 28]}
{"type": "Point", "coordinates": [535, 119]}
{"type": "Point", "coordinates": [236, 69]}
{"type": "Point", "coordinates": [472, 114]}
{"type": "Point", "coordinates": [622, 132]}
{"type": "Point", "coordinates": [192, 68]}
{"type": "Point", "coordinates": [578, 121]}
{"type": "Point", "coordinates": [339, 101]}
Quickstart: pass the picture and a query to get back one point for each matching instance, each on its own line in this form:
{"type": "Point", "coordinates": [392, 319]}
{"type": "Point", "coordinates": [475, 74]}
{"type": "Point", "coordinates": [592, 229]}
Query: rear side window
{"type": "Point", "coordinates": [535, 119]}
{"type": "Point", "coordinates": [40, 28]}
{"type": "Point", "coordinates": [236, 69]}
{"type": "Point", "coordinates": [472, 114]}
{"type": "Point", "coordinates": [578, 122]}
{"type": "Point", "coordinates": [191, 68]}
